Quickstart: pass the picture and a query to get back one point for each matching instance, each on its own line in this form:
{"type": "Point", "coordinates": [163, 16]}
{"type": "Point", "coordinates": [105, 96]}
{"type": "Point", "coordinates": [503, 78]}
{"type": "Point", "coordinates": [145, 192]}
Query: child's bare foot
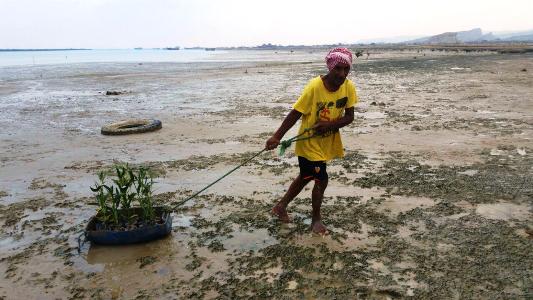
{"type": "Point", "coordinates": [281, 213]}
{"type": "Point", "coordinates": [319, 228]}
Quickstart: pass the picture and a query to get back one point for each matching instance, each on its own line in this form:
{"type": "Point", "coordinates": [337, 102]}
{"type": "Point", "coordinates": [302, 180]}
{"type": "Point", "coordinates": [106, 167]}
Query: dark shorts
{"type": "Point", "coordinates": [315, 170]}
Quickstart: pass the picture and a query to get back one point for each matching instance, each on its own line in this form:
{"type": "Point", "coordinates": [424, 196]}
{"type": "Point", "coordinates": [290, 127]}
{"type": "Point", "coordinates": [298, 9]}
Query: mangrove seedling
{"type": "Point", "coordinates": [129, 187]}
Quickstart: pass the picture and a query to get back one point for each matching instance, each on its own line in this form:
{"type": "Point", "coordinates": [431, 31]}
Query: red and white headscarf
{"type": "Point", "coordinates": [338, 55]}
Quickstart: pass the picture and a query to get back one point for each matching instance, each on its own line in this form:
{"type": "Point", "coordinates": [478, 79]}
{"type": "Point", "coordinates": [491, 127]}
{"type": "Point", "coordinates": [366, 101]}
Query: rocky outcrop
{"type": "Point", "coordinates": [468, 36]}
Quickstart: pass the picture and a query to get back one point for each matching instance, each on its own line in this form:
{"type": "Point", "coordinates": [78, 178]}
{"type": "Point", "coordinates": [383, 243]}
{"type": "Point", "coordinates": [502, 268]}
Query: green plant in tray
{"type": "Point", "coordinates": [126, 188]}
{"type": "Point", "coordinates": [143, 186]}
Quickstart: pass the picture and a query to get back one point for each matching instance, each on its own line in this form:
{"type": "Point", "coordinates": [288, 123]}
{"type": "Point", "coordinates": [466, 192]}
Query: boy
{"type": "Point", "coordinates": [325, 105]}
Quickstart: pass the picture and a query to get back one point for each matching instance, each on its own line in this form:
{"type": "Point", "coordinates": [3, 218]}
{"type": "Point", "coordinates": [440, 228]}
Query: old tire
{"type": "Point", "coordinates": [131, 126]}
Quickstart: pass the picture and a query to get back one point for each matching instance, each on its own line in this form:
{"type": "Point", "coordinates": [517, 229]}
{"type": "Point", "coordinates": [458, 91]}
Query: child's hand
{"type": "Point", "coordinates": [272, 143]}
{"type": "Point", "coordinates": [322, 127]}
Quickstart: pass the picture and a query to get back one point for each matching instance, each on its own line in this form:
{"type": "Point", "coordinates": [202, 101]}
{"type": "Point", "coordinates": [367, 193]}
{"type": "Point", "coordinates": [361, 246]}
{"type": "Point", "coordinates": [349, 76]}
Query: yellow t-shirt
{"type": "Point", "coordinates": [318, 104]}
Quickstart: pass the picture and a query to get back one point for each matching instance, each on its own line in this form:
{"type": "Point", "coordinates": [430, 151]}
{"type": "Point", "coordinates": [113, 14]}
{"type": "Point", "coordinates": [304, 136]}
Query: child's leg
{"type": "Point", "coordinates": [280, 210]}
{"type": "Point", "coordinates": [318, 194]}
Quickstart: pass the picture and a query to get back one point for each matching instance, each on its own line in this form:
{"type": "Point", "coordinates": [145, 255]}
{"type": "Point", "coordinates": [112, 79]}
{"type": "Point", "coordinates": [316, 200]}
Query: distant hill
{"type": "Point", "coordinates": [472, 36]}
{"type": "Point", "coordinates": [506, 35]}
{"type": "Point", "coordinates": [520, 38]}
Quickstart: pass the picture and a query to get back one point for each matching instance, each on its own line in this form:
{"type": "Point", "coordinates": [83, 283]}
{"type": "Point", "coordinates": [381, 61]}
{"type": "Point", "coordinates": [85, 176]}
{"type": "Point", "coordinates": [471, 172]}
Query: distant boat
{"type": "Point", "coordinates": [138, 48]}
{"type": "Point", "coordinates": [172, 48]}
{"type": "Point", "coordinates": [209, 49]}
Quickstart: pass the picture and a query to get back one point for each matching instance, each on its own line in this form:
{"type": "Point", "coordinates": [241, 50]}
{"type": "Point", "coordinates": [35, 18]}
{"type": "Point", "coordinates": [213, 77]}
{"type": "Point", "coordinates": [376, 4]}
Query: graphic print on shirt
{"type": "Point", "coordinates": [324, 112]}
{"type": "Point", "coordinates": [341, 103]}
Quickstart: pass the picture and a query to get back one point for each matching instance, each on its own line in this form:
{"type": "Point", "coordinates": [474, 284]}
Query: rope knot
{"type": "Point", "coordinates": [287, 143]}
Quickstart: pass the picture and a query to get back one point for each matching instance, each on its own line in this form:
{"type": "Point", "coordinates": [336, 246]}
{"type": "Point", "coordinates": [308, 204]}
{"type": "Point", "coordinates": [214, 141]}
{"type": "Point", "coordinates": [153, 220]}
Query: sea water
{"type": "Point", "coordinates": [29, 58]}
{"type": "Point", "coordinates": [65, 57]}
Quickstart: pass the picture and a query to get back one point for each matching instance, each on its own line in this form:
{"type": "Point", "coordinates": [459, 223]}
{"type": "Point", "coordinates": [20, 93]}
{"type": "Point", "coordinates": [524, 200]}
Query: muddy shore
{"type": "Point", "coordinates": [434, 199]}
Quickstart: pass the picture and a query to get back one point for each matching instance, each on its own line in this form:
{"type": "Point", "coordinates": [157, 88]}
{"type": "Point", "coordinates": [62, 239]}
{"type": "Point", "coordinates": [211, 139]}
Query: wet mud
{"type": "Point", "coordinates": [434, 199]}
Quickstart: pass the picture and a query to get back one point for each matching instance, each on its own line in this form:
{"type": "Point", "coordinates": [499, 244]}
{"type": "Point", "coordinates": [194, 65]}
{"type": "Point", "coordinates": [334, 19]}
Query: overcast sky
{"type": "Point", "coordinates": [162, 23]}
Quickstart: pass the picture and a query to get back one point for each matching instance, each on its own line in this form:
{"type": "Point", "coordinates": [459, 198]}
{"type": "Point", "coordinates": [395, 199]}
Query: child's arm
{"type": "Point", "coordinates": [289, 121]}
{"type": "Point", "coordinates": [325, 126]}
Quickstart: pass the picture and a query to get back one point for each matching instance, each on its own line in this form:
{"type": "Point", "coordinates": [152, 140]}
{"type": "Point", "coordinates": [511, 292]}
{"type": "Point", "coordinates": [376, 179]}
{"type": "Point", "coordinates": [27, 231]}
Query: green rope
{"type": "Point", "coordinates": [223, 176]}
{"type": "Point", "coordinates": [284, 145]}
{"type": "Point", "coordinates": [287, 143]}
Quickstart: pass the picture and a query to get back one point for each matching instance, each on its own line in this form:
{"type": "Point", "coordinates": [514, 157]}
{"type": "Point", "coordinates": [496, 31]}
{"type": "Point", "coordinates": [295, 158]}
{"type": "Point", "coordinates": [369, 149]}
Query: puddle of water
{"type": "Point", "coordinates": [362, 130]}
{"type": "Point", "coordinates": [17, 191]}
{"type": "Point", "coordinates": [101, 254]}
{"type": "Point", "coordinates": [404, 232]}
{"type": "Point", "coordinates": [455, 217]}
{"type": "Point", "coordinates": [469, 172]}
{"type": "Point", "coordinates": [378, 266]}
{"type": "Point", "coordinates": [306, 218]}
{"type": "Point", "coordinates": [504, 211]}
{"type": "Point", "coordinates": [33, 231]}
{"type": "Point", "coordinates": [31, 215]}
{"type": "Point", "coordinates": [399, 204]}
{"type": "Point", "coordinates": [181, 220]}
{"type": "Point", "coordinates": [496, 152]}
{"type": "Point", "coordinates": [374, 115]}
{"type": "Point", "coordinates": [8, 243]}
{"type": "Point", "coordinates": [119, 269]}
{"type": "Point", "coordinates": [80, 186]}
{"type": "Point", "coordinates": [443, 247]}
{"type": "Point", "coordinates": [292, 285]}
{"type": "Point", "coordinates": [421, 115]}
{"type": "Point", "coordinates": [249, 240]}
